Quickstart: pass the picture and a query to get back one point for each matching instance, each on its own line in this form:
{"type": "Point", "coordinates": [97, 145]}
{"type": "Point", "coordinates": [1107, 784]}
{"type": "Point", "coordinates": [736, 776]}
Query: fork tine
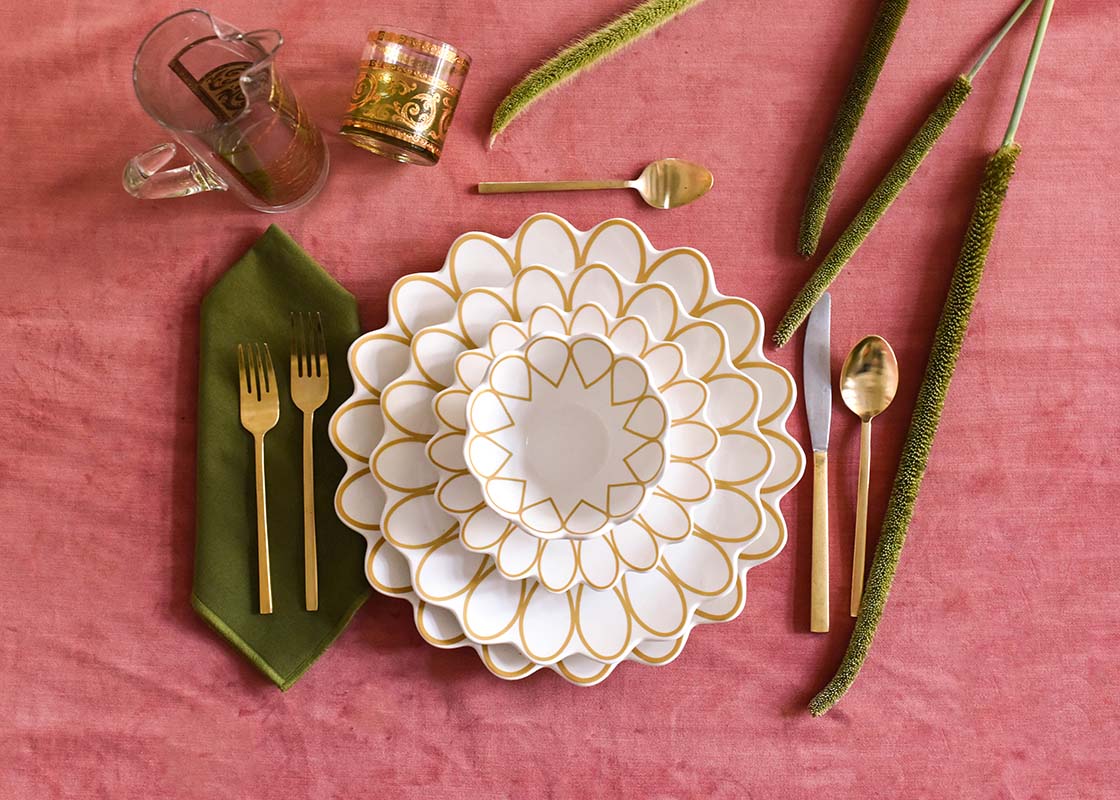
{"type": "Point", "coordinates": [296, 346]}
{"type": "Point", "coordinates": [304, 343]}
{"type": "Point", "coordinates": [255, 367]}
{"type": "Point", "coordinates": [304, 369]}
{"type": "Point", "coordinates": [270, 371]}
{"type": "Point", "coordinates": [293, 345]}
{"type": "Point", "coordinates": [242, 376]}
{"type": "Point", "coordinates": [250, 369]}
{"type": "Point", "coordinates": [320, 346]}
{"type": "Point", "coordinates": [309, 342]}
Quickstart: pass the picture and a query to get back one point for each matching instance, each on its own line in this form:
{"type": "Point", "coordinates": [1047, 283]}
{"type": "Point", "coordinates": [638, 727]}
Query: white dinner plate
{"type": "Point", "coordinates": [606, 625]}
{"type": "Point", "coordinates": [478, 259]}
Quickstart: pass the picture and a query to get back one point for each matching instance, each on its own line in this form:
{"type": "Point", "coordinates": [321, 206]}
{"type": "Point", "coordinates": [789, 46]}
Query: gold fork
{"type": "Point", "coordinates": [260, 410]}
{"type": "Point", "coordinates": [310, 384]}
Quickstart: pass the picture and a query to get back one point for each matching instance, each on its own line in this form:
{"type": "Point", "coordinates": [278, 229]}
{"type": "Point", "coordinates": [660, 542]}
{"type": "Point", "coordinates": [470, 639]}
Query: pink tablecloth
{"type": "Point", "coordinates": [995, 671]}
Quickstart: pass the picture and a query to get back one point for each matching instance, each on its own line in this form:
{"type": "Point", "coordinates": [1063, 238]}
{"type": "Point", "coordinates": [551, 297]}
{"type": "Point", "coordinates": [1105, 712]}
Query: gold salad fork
{"type": "Point", "coordinates": [260, 410]}
{"type": "Point", "coordinates": [310, 384]}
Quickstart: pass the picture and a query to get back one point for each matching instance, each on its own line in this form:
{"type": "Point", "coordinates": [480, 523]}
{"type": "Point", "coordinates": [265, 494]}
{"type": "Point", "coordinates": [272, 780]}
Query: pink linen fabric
{"type": "Point", "coordinates": [994, 673]}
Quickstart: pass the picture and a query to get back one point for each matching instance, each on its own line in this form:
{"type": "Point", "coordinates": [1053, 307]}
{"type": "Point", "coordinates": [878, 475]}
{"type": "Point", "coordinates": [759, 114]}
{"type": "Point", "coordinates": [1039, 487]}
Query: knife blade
{"type": "Point", "coordinates": [818, 373]}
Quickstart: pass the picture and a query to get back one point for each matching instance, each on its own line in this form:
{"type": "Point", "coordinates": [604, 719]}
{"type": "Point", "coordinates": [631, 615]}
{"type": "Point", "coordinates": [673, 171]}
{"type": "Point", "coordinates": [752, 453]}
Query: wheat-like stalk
{"type": "Point", "coordinates": [947, 342]}
{"type": "Point", "coordinates": [847, 120]}
{"type": "Point", "coordinates": [581, 55]}
{"type": "Point", "coordinates": [873, 209]}
{"type": "Point", "coordinates": [888, 189]}
{"type": "Point", "coordinates": [923, 424]}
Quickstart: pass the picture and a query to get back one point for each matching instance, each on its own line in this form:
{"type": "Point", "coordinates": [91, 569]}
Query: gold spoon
{"type": "Point", "coordinates": [868, 383]}
{"type": "Point", "coordinates": [667, 183]}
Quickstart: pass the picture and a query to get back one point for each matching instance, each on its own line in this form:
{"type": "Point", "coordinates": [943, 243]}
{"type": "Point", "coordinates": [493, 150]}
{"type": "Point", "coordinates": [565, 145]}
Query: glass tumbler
{"type": "Point", "coordinates": [407, 89]}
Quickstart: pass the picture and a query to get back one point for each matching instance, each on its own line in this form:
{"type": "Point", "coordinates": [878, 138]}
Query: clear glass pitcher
{"type": "Point", "coordinates": [218, 92]}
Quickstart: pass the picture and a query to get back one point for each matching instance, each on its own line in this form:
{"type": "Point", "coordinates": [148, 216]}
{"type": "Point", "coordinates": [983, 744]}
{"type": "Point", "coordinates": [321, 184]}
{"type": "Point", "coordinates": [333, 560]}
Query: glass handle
{"type": "Point", "coordinates": [145, 178]}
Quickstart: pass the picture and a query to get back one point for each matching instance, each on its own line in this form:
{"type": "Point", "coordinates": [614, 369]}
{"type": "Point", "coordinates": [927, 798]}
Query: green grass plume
{"type": "Point", "coordinates": [581, 55]}
{"type": "Point", "coordinates": [923, 424]}
{"type": "Point", "coordinates": [947, 341]}
{"type": "Point", "coordinates": [847, 120]}
{"type": "Point", "coordinates": [874, 208]}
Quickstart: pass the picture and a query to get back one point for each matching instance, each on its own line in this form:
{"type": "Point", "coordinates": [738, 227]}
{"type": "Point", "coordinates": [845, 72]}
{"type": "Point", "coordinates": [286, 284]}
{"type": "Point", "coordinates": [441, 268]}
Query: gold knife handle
{"type": "Point", "coordinates": [310, 550]}
{"type": "Point", "coordinates": [818, 604]}
{"type": "Point", "coordinates": [504, 187]}
{"type": "Point", "coordinates": [264, 574]}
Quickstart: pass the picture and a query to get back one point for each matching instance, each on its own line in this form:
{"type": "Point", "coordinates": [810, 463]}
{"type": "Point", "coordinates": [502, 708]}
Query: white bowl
{"type": "Point", "coordinates": [566, 436]}
{"type": "Point", "coordinates": [600, 562]}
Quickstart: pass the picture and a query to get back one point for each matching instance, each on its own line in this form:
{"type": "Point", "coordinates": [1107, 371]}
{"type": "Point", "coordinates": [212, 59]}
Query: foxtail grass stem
{"type": "Point", "coordinates": [873, 209]}
{"type": "Point", "coordinates": [993, 43]}
{"type": "Point", "coordinates": [583, 54]}
{"type": "Point", "coordinates": [923, 424]}
{"type": "Point", "coordinates": [1028, 73]}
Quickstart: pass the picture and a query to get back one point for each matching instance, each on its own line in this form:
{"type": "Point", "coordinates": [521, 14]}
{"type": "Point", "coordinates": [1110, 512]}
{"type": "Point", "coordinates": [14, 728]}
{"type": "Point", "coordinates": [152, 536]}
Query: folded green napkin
{"type": "Point", "coordinates": [253, 302]}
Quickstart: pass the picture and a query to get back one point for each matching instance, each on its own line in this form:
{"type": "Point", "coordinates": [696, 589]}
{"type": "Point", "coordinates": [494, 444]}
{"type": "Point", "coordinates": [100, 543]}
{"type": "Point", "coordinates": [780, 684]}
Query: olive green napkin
{"type": "Point", "coordinates": [252, 302]}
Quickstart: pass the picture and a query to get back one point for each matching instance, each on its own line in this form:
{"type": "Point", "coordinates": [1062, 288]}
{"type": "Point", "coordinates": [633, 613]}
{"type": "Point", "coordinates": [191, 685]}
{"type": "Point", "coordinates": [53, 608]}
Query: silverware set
{"type": "Point", "coordinates": [260, 411]}
{"type": "Point", "coordinates": [868, 382]}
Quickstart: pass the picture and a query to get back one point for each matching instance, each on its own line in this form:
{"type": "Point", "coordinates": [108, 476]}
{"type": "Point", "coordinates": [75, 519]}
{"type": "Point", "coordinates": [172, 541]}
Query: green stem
{"type": "Point", "coordinates": [848, 116]}
{"type": "Point", "coordinates": [994, 43]}
{"type": "Point", "coordinates": [943, 356]}
{"type": "Point", "coordinates": [876, 205]}
{"type": "Point", "coordinates": [1028, 73]}
{"type": "Point", "coordinates": [570, 61]}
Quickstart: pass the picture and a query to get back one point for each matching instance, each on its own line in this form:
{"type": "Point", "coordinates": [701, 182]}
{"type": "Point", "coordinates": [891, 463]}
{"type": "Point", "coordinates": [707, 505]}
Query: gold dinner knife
{"type": "Point", "coordinates": [817, 377]}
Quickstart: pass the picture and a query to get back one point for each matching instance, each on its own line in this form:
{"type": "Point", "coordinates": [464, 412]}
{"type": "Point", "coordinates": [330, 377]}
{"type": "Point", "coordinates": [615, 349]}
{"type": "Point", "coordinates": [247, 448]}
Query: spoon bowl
{"type": "Point", "coordinates": [672, 182]}
{"type": "Point", "coordinates": [869, 379]}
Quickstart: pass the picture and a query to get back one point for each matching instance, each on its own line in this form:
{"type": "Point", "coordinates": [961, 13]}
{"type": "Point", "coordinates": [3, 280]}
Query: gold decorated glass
{"type": "Point", "coordinates": [405, 96]}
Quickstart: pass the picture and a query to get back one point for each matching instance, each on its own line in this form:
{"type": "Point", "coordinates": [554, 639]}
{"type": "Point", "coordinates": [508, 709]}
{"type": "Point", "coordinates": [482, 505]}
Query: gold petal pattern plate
{"type": "Point", "coordinates": [480, 259]}
{"type": "Point", "coordinates": [634, 546]}
{"type": "Point", "coordinates": [605, 625]}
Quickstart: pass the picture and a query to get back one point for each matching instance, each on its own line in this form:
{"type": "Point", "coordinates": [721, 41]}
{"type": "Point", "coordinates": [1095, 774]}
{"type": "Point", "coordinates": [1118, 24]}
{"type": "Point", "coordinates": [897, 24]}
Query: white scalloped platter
{"type": "Point", "coordinates": [480, 260]}
{"type": "Point", "coordinates": [604, 625]}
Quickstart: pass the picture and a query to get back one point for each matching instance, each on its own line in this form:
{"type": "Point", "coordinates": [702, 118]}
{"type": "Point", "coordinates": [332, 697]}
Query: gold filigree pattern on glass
{"type": "Point", "coordinates": [405, 96]}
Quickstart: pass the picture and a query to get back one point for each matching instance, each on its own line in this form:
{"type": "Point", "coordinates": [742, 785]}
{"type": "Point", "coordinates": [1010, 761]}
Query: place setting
{"type": "Point", "coordinates": [566, 448]}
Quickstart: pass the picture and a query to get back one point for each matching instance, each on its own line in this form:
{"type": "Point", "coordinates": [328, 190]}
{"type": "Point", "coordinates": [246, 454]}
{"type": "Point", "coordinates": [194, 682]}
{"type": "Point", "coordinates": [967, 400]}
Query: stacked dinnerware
{"type": "Point", "coordinates": [566, 449]}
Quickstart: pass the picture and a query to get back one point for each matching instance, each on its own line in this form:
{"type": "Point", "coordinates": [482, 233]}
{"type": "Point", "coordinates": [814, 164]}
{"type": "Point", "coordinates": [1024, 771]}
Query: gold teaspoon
{"type": "Point", "coordinates": [868, 383]}
{"type": "Point", "coordinates": [667, 183]}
